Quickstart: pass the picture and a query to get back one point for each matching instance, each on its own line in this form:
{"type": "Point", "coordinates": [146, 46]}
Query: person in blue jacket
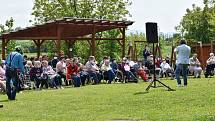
{"type": "Point", "coordinates": [14, 65]}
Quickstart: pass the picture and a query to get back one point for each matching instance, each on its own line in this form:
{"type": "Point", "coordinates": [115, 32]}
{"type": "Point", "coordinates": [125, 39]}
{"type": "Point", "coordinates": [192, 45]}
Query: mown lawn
{"type": "Point", "coordinates": [115, 102]}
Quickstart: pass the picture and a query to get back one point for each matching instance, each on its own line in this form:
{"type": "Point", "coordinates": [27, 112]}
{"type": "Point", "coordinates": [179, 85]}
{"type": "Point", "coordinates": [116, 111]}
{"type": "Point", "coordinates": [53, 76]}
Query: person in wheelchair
{"type": "Point", "coordinates": [210, 66]}
{"type": "Point", "coordinates": [107, 71]}
{"type": "Point", "coordinates": [195, 67]}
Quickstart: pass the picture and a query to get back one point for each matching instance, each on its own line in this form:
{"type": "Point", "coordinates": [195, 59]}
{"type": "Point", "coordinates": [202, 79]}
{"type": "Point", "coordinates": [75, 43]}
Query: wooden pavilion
{"type": "Point", "coordinates": [68, 29]}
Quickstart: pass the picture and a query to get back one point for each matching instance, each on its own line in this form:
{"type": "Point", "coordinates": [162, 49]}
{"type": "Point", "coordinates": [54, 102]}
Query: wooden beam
{"type": "Point", "coordinates": [42, 41]}
{"type": "Point", "coordinates": [63, 38]}
{"type": "Point", "coordinates": [93, 47]}
{"type": "Point", "coordinates": [6, 41]}
{"type": "Point", "coordinates": [38, 50]}
{"type": "Point", "coordinates": [35, 42]}
{"type": "Point", "coordinates": [3, 48]}
{"type": "Point", "coordinates": [123, 43]}
{"type": "Point", "coordinates": [140, 41]}
{"type": "Point", "coordinates": [120, 43]}
{"type": "Point", "coordinates": [89, 42]}
{"type": "Point", "coordinates": [173, 57]}
{"type": "Point", "coordinates": [70, 44]}
{"type": "Point", "coordinates": [58, 41]}
{"type": "Point", "coordinates": [38, 44]}
{"type": "Point", "coordinates": [92, 24]}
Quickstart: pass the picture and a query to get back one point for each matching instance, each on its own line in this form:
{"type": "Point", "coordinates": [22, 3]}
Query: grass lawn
{"type": "Point", "coordinates": [115, 102]}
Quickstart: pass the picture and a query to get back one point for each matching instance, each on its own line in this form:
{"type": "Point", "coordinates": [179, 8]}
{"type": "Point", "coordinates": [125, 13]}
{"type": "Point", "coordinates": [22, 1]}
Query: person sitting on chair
{"type": "Point", "coordinates": [35, 74]}
{"type": "Point", "coordinates": [210, 65]}
{"type": "Point", "coordinates": [195, 67]}
{"type": "Point", "coordinates": [166, 69]}
{"type": "Point", "coordinates": [114, 65]}
{"type": "Point", "coordinates": [93, 70]}
{"type": "Point", "coordinates": [61, 69]}
{"type": "Point", "coordinates": [128, 72]}
{"type": "Point", "coordinates": [75, 76]}
{"type": "Point", "coordinates": [106, 68]}
{"type": "Point", "coordinates": [2, 79]}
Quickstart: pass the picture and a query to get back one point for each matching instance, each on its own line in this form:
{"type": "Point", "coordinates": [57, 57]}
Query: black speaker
{"type": "Point", "coordinates": [151, 32]}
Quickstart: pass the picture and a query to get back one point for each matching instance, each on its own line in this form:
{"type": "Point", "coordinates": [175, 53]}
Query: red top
{"type": "Point", "coordinates": [71, 69]}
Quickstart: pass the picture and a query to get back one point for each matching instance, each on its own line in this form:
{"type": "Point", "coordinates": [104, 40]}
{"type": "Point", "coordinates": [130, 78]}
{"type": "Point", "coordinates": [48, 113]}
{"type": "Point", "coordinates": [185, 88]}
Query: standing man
{"type": "Point", "coordinates": [14, 64]}
{"type": "Point", "coordinates": [182, 63]}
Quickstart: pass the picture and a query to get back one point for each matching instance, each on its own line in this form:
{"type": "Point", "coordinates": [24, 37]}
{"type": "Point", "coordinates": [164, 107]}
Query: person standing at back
{"type": "Point", "coordinates": [183, 60]}
{"type": "Point", "coordinates": [14, 64]}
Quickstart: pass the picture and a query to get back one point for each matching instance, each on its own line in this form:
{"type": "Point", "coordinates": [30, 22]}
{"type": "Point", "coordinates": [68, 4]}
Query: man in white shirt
{"type": "Point", "coordinates": [183, 61]}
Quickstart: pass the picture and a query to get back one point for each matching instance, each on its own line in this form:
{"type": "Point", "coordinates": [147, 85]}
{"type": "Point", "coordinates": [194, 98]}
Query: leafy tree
{"type": "Point", "coordinates": [7, 28]}
{"type": "Point", "coordinates": [198, 23]}
{"type": "Point", "coordinates": [45, 10]}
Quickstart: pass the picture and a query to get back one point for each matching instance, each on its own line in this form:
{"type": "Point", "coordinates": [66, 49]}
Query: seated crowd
{"type": "Point", "coordinates": [55, 73]}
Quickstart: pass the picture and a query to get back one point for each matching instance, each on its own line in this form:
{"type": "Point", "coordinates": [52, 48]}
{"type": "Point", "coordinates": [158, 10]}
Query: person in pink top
{"type": "Point", "coordinates": [2, 79]}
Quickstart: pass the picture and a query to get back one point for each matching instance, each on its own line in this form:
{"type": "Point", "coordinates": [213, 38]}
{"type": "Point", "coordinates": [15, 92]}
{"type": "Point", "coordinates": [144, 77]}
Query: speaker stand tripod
{"type": "Point", "coordinates": [154, 80]}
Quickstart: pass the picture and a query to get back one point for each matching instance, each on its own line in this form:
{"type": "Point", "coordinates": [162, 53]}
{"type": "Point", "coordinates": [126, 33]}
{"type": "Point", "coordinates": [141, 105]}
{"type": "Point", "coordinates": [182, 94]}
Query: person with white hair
{"type": "Point", "coordinates": [35, 73]}
{"type": "Point", "coordinates": [93, 70]}
{"type": "Point", "coordinates": [195, 66]}
{"type": "Point", "coordinates": [210, 65]}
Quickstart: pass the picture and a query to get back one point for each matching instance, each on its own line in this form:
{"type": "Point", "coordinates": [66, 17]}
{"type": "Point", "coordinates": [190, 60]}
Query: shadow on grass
{"type": "Point", "coordinates": [141, 93]}
{"type": "Point", "coordinates": [4, 100]}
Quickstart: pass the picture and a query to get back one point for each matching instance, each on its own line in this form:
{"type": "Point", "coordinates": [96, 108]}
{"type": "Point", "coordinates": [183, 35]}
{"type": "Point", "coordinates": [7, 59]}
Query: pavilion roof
{"type": "Point", "coordinates": [67, 27]}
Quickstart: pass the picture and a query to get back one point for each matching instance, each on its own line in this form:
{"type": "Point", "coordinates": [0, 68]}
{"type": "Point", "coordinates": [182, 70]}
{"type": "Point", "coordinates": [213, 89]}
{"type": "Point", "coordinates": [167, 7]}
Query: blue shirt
{"type": "Point", "coordinates": [16, 61]}
{"type": "Point", "coordinates": [183, 54]}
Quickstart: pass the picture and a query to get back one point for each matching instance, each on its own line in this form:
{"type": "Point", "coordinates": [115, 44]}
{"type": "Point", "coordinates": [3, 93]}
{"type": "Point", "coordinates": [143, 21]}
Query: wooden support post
{"type": "Point", "coordinates": [172, 56]}
{"type": "Point", "coordinates": [38, 50]}
{"type": "Point", "coordinates": [70, 44]}
{"type": "Point", "coordinates": [123, 42]}
{"type": "Point", "coordinates": [58, 41]}
{"type": "Point", "coordinates": [93, 41]}
{"type": "Point", "coordinates": [135, 52]}
{"type": "Point", "coordinates": [3, 48]}
{"type": "Point", "coordinates": [37, 43]}
{"type": "Point", "coordinates": [201, 52]}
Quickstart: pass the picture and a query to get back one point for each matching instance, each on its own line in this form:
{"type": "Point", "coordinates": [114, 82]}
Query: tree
{"type": "Point", "coordinates": [199, 24]}
{"type": "Point", "coordinates": [8, 27]}
{"type": "Point", "coordinates": [45, 10]}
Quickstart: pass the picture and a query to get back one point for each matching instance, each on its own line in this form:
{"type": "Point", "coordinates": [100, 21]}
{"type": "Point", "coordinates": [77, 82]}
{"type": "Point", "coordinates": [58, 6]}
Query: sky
{"type": "Point", "coordinates": [167, 13]}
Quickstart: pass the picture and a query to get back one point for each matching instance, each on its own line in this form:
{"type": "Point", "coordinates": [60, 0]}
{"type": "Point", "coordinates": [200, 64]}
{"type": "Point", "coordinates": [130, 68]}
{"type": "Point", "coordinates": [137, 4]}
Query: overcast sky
{"type": "Point", "coordinates": [167, 13]}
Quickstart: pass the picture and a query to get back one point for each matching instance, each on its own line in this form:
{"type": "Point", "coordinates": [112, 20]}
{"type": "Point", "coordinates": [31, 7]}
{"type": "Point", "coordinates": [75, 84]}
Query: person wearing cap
{"type": "Point", "coordinates": [210, 65]}
{"type": "Point", "coordinates": [183, 60]}
{"type": "Point", "coordinates": [14, 64]}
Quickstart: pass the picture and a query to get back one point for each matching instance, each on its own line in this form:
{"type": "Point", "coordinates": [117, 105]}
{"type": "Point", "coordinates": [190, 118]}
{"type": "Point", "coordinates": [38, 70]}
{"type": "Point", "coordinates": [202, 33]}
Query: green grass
{"type": "Point", "coordinates": [116, 101]}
